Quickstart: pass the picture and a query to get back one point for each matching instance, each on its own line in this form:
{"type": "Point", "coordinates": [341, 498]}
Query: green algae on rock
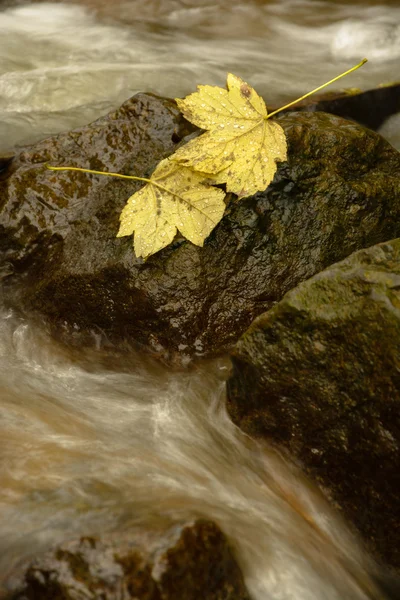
{"type": "Point", "coordinates": [319, 375]}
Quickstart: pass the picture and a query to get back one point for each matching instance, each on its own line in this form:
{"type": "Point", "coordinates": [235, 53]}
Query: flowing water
{"type": "Point", "coordinates": [63, 65]}
{"type": "Point", "coordinates": [86, 448]}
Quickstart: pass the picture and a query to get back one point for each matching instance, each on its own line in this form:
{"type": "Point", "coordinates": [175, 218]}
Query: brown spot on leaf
{"type": "Point", "coordinates": [245, 90]}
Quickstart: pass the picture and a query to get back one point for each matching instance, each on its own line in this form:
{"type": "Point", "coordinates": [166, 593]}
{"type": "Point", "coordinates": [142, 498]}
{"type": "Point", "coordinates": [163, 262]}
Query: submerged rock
{"type": "Point", "coordinates": [319, 375]}
{"type": "Point", "coordinates": [189, 562]}
{"type": "Point", "coordinates": [339, 191]}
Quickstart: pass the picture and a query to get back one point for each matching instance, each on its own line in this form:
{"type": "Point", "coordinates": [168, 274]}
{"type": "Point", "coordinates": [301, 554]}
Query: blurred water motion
{"type": "Point", "coordinates": [63, 65]}
{"type": "Point", "coordinates": [84, 448]}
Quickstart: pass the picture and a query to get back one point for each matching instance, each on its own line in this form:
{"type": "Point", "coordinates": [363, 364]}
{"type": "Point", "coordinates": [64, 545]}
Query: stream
{"type": "Point", "coordinates": [90, 448]}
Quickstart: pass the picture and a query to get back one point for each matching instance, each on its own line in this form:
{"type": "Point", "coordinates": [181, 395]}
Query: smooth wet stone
{"type": "Point", "coordinates": [319, 375]}
{"type": "Point", "coordinates": [339, 191]}
{"type": "Point", "coordinates": [188, 562]}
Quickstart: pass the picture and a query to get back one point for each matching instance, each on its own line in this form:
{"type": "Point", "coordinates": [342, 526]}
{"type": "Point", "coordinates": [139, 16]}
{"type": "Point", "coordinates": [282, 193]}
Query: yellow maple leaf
{"type": "Point", "coordinates": [241, 146]}
{"type": "Point", "coordinates": [174, 198]}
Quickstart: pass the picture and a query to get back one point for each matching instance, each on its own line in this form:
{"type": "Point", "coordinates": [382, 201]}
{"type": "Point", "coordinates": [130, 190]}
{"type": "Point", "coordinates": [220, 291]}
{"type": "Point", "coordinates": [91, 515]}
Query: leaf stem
{"type": "Point", "coordinates": [101, 173]}
{"type": "Point", "coordinates": [111, 174]}
{"type": "Point", "coordinates": [364, 60]}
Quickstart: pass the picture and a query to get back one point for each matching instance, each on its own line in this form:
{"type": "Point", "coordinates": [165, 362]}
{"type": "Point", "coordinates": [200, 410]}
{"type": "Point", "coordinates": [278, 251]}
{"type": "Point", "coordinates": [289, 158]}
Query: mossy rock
{"type": "Point", "coordinates": [319, 375]}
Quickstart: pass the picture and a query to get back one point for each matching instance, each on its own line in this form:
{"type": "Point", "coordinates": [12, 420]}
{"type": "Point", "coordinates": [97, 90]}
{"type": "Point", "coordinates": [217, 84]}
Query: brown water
{"type": "Point", "coordinates": [88, 449]}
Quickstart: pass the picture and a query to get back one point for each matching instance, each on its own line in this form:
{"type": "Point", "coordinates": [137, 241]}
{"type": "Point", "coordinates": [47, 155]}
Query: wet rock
{"type": "Point", "coordinates": [370, 108]}
{"type": "Point", "coordinates": [338, 192]}
{"type": "Point", "coordinates": [319, 375]}
{"type": "Point", "coordinates": [389, 583]}
{"type": "Point", "coordinates": [5, 159]}
{"type": "Point", "coordinates": [40, 208]}
{"type": "Point", "coordinates": [187, 562]}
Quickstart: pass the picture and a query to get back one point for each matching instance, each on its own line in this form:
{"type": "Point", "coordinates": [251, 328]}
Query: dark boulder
{"type": "Point", "coordinates": [319, 375]}
{"type": "Point", "coordinates": [187, 562]}
{"type": "Point", "coordinates": [370, 108]}
{"type": "Point", "coordinates": [338, 192]}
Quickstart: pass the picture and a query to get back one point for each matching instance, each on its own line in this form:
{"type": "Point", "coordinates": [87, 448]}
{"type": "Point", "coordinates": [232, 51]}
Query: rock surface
{"type": "Point", "coordinates": [338, 192]}
{"type": "Point", "coordinates": [319, 375]}
{"type": "Point", "coordinates": [189, 562]}
{"type": "Point", "coordinates": [370, 108]}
